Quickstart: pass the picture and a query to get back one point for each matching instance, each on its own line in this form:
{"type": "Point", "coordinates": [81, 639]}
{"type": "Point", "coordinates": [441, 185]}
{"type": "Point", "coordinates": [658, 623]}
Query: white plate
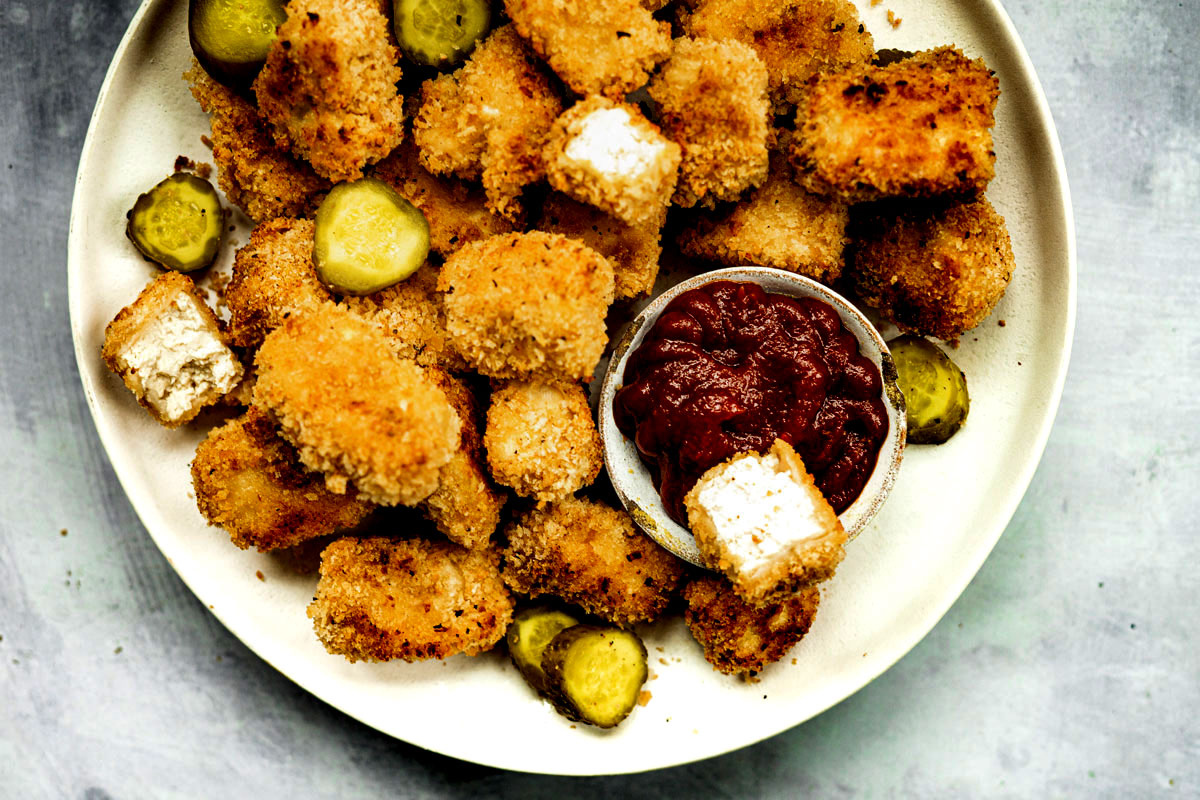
{"type": "Point", "coordinates": [900, 575]}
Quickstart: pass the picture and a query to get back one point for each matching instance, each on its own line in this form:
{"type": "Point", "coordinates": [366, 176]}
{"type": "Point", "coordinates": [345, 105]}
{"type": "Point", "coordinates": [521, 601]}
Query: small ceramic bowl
{"type": "Point", "coordinates": [630, 475]}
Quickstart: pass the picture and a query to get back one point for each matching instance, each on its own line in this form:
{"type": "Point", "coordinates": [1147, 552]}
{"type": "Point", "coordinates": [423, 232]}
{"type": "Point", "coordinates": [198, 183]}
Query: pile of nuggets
{"type": "Point", "coordinates": [551, 166]}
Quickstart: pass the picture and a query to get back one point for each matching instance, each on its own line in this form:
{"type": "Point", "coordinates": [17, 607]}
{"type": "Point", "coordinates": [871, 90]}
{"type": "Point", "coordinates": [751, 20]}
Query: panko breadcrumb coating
{"type": "Point", "coordinates": [605, 48]}
{"type": "Point", "coordinates": [273, 278]}
{"type": "Point", "coordinates": [489, 120]}
{"type": "Point", "coordinates": [914, 128]}
{"type": "Point", "coordinates": [249, 482]}
{"type": "Point", "coordinates": [935, 269]}
{"type": "Point", "coordinates": [528, 305]}
{"type": "Point", "coordinates": [740, 639]}
{"type": "Point", "coordinates": [353, 409]}
{"type": "Point", "coordinates": [257, 176]}
{"type": "Point", "coordinates": [379, 599]}
{"type": "Point", "coordinates": [592, 555]}
{"type": "Point", "coordinates": [329, 86]}
{"type": "Point", "coordinates": [541, 439]}
{"type": "Point", "coordinates": [712, 98]}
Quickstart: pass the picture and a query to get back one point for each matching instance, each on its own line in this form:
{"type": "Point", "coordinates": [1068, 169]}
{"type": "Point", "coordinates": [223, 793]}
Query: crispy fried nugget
{"type": "Point", "coordinates": [273, 278]}
{"type": "Point", "coordinates": [590, 554]}
{"type": "Point", "coordinates": [528, 305]}
{"type": "Point", "coordinates": [633, 251]}
{"type": "Point", "coordinates": [489, 120]}
{"type": "Point", "coordinates": [379, 599]}
{"type": "Point", "coordinates": [936, 269]}
{"type": "Point", "coordinates": [250, 482]}
{"type": "Point", "coordinates": [353, 409]}
{"type": "Point", "coordinates": [541, 439]}
{"type": "Point", "coordinates": [329, 86]}
{"type": "Point", "coordinates": [712, 98]}
{"type": "Point", "coordinates": [605, 48]}
{"type": "Point", "coordinates": [257, 176]}
{"type": "Point", "coordinates": [914, 128]}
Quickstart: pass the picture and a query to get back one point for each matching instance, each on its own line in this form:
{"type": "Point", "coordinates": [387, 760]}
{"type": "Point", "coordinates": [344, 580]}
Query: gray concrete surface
{"type": "Point", "coordinates": [1069, 668]}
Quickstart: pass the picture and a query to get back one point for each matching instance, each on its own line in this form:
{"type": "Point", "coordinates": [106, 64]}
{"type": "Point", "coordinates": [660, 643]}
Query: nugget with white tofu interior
{"type": "Point", "coordinates": [353, 409]}
{"type": "Point", "coordinates": [609, 155]}
{"type": "Point", "coordinates": [934, 269]}
{"type": "Point", "coordinates": [712, 98]}
{"type": "Point", "coordinates": [528, 305]}
{"type": "Point", "coordinates": [590, 554]}
{"type": "Point", "coordinates": [169, 349]}
{"type": "Point", "coordinates": [741, 639]}
{"type": "Point", "coordinates": [379, 599]}
{"type": "Point", "coordinates": [541, 439]}
{"type": "Point", "coordinates": [761, 520]}
{"type": "Point", "coordinates": [918, 127]}
{"type": "Point", "coordinates": [250, 482]}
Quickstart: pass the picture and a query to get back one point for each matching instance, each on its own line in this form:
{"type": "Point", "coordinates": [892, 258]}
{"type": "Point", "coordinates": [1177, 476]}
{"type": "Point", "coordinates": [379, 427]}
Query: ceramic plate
{"type": "Point", "coordinates": [900, 575]}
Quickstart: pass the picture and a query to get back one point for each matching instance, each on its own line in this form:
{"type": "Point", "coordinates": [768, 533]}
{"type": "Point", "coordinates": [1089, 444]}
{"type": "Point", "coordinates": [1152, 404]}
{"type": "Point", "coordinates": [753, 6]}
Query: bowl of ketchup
{"type": "Point", "coordinates": [727, 362]}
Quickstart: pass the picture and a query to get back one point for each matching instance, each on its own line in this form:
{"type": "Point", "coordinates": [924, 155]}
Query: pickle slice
{"type": "Point", "coordinates": [440, 33]}
{"type": "Point", "coordinates": [594, 673]}
{"type": "Point", "coordinates": [531, 630]}
{"type": "Point", "coordinates": [368, 237]}
{"type": "Point", "coordinates": [178, 223]}
{"type": "Point", "coordinates": [934, 388]}
{"type": "Point", "coordinates": [230, 38]}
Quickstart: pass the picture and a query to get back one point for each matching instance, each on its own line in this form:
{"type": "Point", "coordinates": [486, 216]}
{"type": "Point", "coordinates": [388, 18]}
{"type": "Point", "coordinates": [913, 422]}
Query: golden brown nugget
{"type": "Point", "coordinates": [412, 316]}
{"type": "Point", "coordinates": [249, 482]}
{"type": "Point", "coordinates": [273, 278]}
{"type": "Point", "coordinates": [934, 269]}
{"type": "Point", "coordinates": [352, 409]}
{"type": "Point", "coordinates": [541, 439]}
{"type": "Point", "coordinates": [257, 176]}
{"type": "Point", "coordinates": [795, 39]}
{"type": "Point", "coordinates": [740, 639]}
{"type": "Point", "coordinates": [633, 251]}
{"type": "Point", "coordinates": [329, 86]}
{"type": "Point", "coordinates": [528, 305]}
{"type": "Point", "coordinates": [379, 599]}
{"type": "Point", "coordinates": [914, 128]}
{"type": "Point", "coordinates": [170, 351]}
{"type": "Point", "coordinates": [605, 48]}
{"type": "Point", "coordinates": [712, 98]}
{"type": "Point", "coordinates": [590, 554]}
{"type": "Point", "coordinates": [608, 155]}
{"type": "Point", "coordinates": [489, 120]}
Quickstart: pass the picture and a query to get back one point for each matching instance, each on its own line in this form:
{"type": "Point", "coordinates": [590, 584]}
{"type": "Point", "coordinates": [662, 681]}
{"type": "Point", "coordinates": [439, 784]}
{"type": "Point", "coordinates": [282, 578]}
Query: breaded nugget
{"type": "Point", "coordinates": [590, 554]}
{"type": "Point", "coordinates": [257, 176]}
{"type": "Point", "coordinates": [411, 313]}
{"type": "Point", "coordinates": [778, 225]}
{"type": "Point", "coordinates": [633, 251]}
{"type": "Point", "coordinates": [528, 305]}
{"type": "Point", "coordinates": [353, 409]}
{"type": "Point", "coordinates": [273, 278]}
{"type": "Point", "coordinates": [795, 39]}
{"type": "Point", "coordinates": [914, 128]}
{"type": "Point", "coordinates": [489, 120]}
{"type": "Point", "coordinates": [605, 48]}
{"type": "Point", "coordinates": [740, 639]}
{"type": "Point", "coordinates": [329, 86]}
{"type": "Point", "coordinates": [935, 269]}
{"type": "Point", "coordinates": [712, 98]}
{"type": "Point", "coordinates": [250, 482]}
{"type": "Point", "coordinates": [610, 156]}
{"type": "Point", "coordinates": [379, 599]}
{"type": "Point", "coordinates": [541, 439]}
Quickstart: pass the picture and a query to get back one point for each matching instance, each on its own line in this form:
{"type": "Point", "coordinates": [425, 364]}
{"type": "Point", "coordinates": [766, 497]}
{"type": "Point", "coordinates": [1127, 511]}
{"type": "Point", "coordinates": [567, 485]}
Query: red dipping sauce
{"type": "Point", "coordinates": [729, 368]}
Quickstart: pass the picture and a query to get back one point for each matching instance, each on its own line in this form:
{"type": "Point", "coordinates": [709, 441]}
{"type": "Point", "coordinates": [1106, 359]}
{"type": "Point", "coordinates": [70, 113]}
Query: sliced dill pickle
{"type": "Point", "coordinates": [531, 630]}
{"type": "Point", "coordinates": [368, 237]}
{"type": "Point", "coordinates": [594, 674]}
{"type": "Point", "coordinates": [178, 223]}
{"type": "Point", "coordinates": [934, 388]}
{"type": "Point", "coordinates": [440, 33]}
{"type": "Point", "coordinates": [230, 38]}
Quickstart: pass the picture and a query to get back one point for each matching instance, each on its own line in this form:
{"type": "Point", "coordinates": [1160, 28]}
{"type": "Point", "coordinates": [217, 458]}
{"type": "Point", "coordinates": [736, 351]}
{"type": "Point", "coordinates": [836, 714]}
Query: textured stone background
{"type": "Point", "coordinates": [1069, 667]}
